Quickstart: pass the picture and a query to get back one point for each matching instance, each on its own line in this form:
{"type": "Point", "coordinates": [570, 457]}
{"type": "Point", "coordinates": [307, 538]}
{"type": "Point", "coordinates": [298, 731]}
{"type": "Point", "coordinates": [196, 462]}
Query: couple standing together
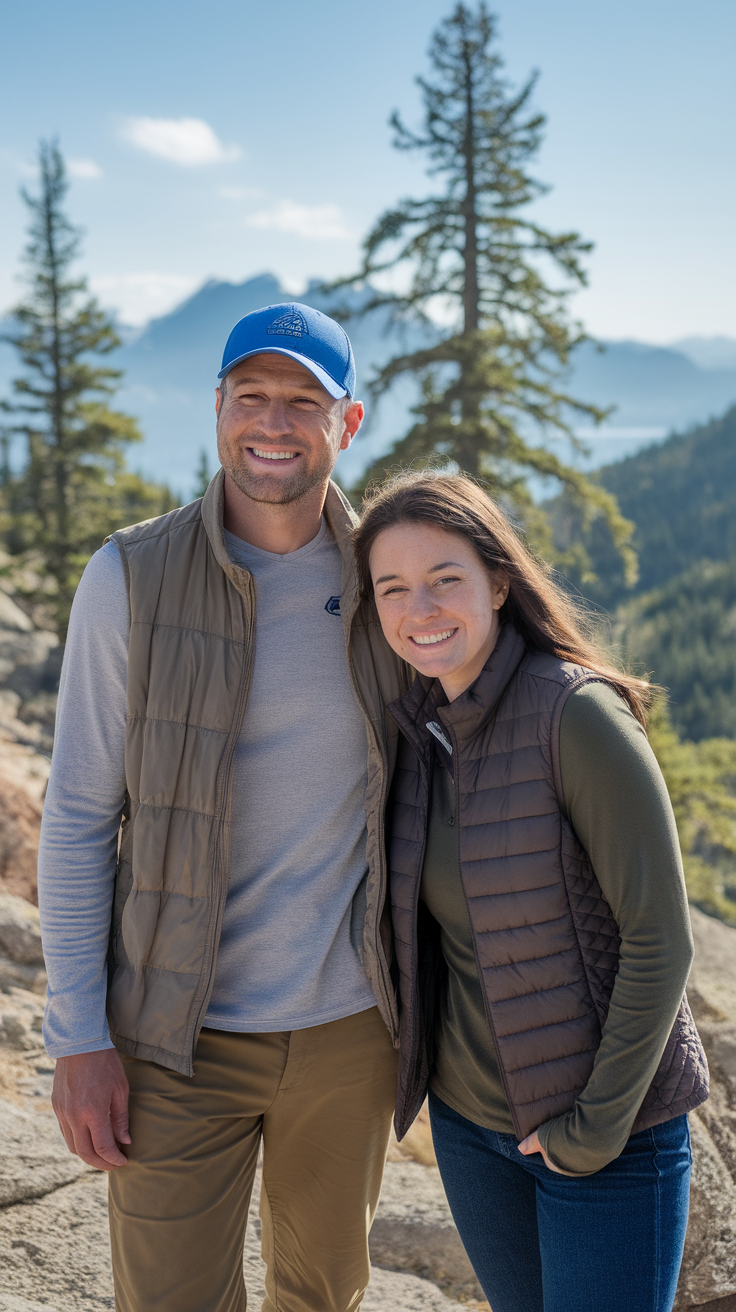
{"type": "Point", "coordinates": [338, 815]}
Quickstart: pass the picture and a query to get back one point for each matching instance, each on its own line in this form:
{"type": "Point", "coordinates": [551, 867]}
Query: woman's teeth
{"type": "Point", "coordinates": [273, 455]}
{"type": "Point", "coordinates": [425, 639]}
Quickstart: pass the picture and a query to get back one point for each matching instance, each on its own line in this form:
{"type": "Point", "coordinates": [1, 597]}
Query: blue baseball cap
{"type": "Point", "coordinates": [304, 334]}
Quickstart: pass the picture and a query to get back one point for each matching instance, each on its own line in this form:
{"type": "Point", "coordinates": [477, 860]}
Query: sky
{"type": "Point", "coordinates": [224, 141]}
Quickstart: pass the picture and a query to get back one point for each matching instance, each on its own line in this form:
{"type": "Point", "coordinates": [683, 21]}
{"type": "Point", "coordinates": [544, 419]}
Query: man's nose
{"type": "Point", "coordinates": [275, 421]}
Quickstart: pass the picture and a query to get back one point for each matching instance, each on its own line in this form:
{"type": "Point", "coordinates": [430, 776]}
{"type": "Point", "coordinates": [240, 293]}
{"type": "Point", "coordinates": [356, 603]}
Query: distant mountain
{"type": "Point", "coordinates": [651, 386]}
{"type": "Point", "coordinates": [171, 372]}
{"type": "Point", "coordinates": [171, 366]}
{"type": "Point", "coordinates": [709, 352]}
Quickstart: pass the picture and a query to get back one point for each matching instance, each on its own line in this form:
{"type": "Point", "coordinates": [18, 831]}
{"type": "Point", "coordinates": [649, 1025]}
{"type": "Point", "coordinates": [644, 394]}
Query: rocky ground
{"type": "Point", "coordinates": [53, 1217]}
{"type": "Point", "coordinates": [54, 1250]}
{"type": "Point", "coordinates": [30, 660]}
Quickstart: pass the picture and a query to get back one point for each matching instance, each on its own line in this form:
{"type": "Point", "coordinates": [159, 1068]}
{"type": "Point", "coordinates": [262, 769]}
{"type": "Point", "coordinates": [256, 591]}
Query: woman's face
{"type": "Point", "coordinates": [437, 602]}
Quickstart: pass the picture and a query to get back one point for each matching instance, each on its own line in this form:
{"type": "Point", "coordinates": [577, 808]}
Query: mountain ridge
{"type": "Point", "coordinates": [170, 370]}
{"type": "Point", "coordinates": [654, 388]}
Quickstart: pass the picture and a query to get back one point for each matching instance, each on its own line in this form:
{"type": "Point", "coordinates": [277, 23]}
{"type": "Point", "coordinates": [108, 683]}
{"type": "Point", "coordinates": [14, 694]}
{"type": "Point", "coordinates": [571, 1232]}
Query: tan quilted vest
{"type": "Point", "coordinates": [546, 940]}
{"type": "Point", "coordinates": [192, 637]}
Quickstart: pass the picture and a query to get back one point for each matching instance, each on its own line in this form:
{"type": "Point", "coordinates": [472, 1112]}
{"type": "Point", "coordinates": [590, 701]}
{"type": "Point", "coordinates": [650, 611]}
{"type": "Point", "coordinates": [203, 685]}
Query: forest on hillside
{"type": "Point", "coordinates": [677, 624]}
{"type": "Point", "coordinates": [678, 621]}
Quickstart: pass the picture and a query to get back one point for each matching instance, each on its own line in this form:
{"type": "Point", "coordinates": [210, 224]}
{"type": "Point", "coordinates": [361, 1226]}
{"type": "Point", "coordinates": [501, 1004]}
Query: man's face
{"type": "Point", "coordinates": [279, 432]}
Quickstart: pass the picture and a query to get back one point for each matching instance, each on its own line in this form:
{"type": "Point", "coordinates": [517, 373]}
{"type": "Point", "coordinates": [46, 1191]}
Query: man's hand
{"type": "Point", "coordinates": [90, 1098]}
{"type": "Point", "coordinates": [532, 1145]}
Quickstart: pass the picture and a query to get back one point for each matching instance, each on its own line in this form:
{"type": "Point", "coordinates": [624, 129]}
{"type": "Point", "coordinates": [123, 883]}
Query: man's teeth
{"type": "Point", "coordinates": [273, 455]}
{"type": "Point", "coordinates": [424, 639]}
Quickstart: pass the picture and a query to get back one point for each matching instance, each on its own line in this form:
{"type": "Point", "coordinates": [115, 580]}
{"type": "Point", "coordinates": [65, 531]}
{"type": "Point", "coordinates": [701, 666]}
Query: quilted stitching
{"type": "Point", "coordinates": [507, 792]}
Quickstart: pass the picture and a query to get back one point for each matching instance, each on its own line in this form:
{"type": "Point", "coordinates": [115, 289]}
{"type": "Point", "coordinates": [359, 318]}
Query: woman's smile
{"type": "Point", "coordinates": [437, 602]}
{"type": "Point", "coordinates": [428, 639]}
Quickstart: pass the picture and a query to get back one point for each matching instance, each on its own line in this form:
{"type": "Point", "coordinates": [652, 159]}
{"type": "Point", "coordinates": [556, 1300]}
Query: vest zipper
{"type": "Point", "coordinates": [386, 990]}
{"type": "Point", "coordinates": [429, 768]}
{"type": "Point", "coordinates": [219, 881]}
{"type": "Point", "coordinates": [389, 1000]}
{"type": "Point", "coordinates": [486, 1003]}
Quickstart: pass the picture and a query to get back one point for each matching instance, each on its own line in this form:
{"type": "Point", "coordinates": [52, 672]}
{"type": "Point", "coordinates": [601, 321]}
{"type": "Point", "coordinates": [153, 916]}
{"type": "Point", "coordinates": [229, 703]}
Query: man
{"type": "Point", "coordinates": [211, 873]}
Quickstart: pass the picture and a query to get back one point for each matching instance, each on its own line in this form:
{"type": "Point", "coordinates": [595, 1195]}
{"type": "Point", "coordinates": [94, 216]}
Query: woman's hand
{"type": "Point", "coordinates": [532, 1145]}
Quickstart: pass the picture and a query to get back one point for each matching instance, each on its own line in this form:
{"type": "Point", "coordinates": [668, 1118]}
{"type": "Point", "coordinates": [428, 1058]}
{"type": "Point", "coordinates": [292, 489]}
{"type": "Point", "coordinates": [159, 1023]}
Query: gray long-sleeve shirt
{"type": "Point", "coordinates": [290, 947]}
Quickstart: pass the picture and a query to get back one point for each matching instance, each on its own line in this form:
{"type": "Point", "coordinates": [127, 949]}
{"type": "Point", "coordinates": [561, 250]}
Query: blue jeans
{"type": "Point", "coordinates": [543, 1242]}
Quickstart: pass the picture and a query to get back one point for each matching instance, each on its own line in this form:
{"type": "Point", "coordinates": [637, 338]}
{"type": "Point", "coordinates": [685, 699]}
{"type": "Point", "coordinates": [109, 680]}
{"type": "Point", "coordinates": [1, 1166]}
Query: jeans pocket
{"type": "Point", "coordinates": [671, 1135]}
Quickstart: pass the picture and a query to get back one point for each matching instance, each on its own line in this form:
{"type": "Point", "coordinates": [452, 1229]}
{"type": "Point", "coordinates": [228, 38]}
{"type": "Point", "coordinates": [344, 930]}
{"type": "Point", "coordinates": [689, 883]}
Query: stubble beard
{"type": "Point", "coordinates": [278, 491]}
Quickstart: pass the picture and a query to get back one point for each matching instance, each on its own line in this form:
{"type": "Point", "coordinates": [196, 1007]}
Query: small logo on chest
{"type": "Point", "coordinates": [333, 606]}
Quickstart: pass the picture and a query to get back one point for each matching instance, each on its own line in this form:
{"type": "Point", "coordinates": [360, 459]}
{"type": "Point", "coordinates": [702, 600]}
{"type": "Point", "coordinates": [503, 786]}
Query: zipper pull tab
{"type": "Point", "coordinates": [441, 737]}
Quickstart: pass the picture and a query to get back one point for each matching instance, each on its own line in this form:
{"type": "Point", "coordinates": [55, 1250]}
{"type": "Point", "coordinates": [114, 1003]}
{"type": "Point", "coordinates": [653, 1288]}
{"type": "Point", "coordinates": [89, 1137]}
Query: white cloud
{"type": "Point", "coordinates": [139, 297]}
{"type": "Point", "coordinates": [85, 169]}
{"type": "Point", "coordinates": [185, 141]}
{"type": "Point", "coordinates": [313, 222]}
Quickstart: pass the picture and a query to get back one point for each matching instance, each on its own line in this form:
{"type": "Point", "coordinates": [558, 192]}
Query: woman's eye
{"type": "Point", "coordinates": [449, 578]}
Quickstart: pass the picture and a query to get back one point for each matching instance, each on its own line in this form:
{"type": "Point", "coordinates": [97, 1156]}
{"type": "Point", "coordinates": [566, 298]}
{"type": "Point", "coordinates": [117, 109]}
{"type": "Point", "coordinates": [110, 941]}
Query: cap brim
{"type": "Point", "coordinates": [335, 389]}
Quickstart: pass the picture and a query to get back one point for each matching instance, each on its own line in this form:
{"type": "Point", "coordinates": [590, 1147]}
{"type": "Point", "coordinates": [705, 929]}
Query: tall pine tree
{"type": "Point", "coordinates": [492, 385]}
{"type": "Point", "coordinates": [72, 488]}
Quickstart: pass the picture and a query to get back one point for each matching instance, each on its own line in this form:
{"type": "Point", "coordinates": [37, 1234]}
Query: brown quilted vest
{"type": "Point", "coordinates": [545, 939]}
{"type": "Point", "coordinates": [192, 635]}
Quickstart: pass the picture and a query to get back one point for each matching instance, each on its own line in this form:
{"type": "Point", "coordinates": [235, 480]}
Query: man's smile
{"type": "Point", "coordinates": [262, 454]}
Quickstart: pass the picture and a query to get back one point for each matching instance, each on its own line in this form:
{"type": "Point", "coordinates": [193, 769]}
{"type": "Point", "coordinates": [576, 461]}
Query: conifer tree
{"type": "Point", "coordinates": [72, 488]}
{"type": "Point", "coordinates": [492, 384]}
{"type": "Point", "coordinates": [203, 475]}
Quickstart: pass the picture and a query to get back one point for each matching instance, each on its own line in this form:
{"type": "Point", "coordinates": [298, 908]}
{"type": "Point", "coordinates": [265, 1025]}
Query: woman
{"type": "Point", "coordinates": [540, 920]}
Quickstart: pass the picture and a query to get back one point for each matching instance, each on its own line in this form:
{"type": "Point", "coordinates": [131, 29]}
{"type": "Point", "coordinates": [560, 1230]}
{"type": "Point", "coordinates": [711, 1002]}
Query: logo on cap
{"type": "Point", "coordinates": [292, 324]}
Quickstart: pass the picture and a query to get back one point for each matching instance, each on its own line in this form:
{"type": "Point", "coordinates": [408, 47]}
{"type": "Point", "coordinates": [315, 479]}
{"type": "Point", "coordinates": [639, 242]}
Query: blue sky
{"type": "Point", "coordinates": [221, 141]}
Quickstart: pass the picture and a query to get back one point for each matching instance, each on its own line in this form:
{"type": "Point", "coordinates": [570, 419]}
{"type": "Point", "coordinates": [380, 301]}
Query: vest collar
{"type": "Point", "coordinates": [213, 511]}
{"type": "Point", "coordinates": [338, 512]}
{"type": "Point", "coordinates": [472, 710]}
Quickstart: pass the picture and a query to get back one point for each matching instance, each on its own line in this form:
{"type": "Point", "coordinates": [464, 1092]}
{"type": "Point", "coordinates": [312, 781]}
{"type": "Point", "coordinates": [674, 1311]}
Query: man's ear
{"type": "Point", "coordinates": [352, 420]}
{"type": "Point", "coordinates": [218, 401]}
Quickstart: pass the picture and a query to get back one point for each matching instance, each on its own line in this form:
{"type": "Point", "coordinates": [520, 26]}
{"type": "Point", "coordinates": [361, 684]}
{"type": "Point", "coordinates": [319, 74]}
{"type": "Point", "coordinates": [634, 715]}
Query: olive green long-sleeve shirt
{"type": "Point", "coordinates": [618, 805]}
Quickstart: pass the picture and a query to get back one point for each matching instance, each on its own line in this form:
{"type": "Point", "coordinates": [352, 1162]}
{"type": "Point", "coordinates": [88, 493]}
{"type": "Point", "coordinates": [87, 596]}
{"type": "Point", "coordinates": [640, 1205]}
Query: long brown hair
{"type": "Point", "coordinates": [545, 616]}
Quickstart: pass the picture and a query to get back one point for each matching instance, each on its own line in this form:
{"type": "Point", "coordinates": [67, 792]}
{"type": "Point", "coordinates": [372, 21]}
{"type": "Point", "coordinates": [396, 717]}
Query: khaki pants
{"type": "Point", "coordinates": [321, 1099]}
